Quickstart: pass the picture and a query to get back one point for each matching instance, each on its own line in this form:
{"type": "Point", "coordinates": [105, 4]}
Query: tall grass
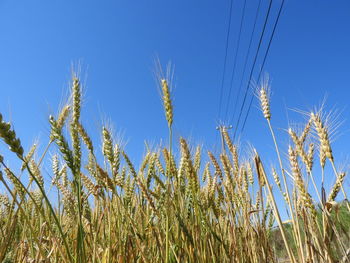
{"type": "Point", "coordinates": [179, 205]}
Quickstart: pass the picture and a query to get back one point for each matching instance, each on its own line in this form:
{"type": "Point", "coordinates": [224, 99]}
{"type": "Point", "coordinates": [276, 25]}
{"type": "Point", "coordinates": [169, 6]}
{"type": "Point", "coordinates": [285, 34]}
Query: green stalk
{"type": "Point", "coordinates": [167, 251]}
{"type": "Point", "coordinates": [81, 248]}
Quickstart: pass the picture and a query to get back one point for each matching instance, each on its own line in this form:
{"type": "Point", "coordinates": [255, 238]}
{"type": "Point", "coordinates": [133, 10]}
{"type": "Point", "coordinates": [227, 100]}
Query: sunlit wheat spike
{"type": "Point", "coordinates": [107, 145]}
{"type": "Point", "coordinates": [306, 131]}
{"type": "Point", "coordinates": [227, 140]}
{"type": "Point", "coordinates": [9, 136]}
{"type": "Point", "coordinates": [74, 126]}
{"type": "Point", "coordinates": [151, 170]}
{"type": "Point", "coordinates": [62, 144]}
{"type": "Point", "coordinates": [167, 101]}
{"type": "Point", "coordinates": [159, 165]}
{"type": "Point", "coordinates": [29, 156]}
{"type": "Point", "coordinates": [225, 165]}
{"type": "Point", "coordinates": [307, 201]}
{"type": "Point", "coordinates": [86, 138]}
{"type": "Point", "coordinates": [336, 188]}
{"type": "Point", "coordinates": [123, 173]}
{"type": "Point", "coordinates": [64, 176]}
{"type": "Point", "coordinates": [259, 170]}
{"type": "Point", "coordinates": [19, 188]}
{"type": "Point", "coordinates": [264, 94]}
{"type": "Point", "coordinates": [68, 198]}
{"type": "Point", "coordinates": [185, 152]}
{"type": "Point", "coordinates": [257, 202]}
{"type": "Point", "coordinates": [129, 191]}
{"type": "Point", "coordinates": [36, 173]}
{"type": "Point", "coordinates": [197, 159]}
{"type": "Point", "coordinates": [119, 180]}
{"type": "Point", "coordinates": [105, 178]}
{"type": "Point", "coordinates": [294, 163]}
{"type": "Point", "coordinates": [146, 194]}
{"type": "Point", "coordinates": [235, 160]}
{"type": "Point", "coordinates": [38, 197]}
{"type": "Point", "coordinates": [166, 156]}
{"type": "Point", "coordinates": [216, 165]}
{"type": "Point", "coordinates": [181, 170]}
{"type": "Point", "coordinates": [189, 204]}
{"type": "Point", "coordinates": [76, 147]}
{"type": "Point", "coordinates": [116, 163]}
{"type": "Point", "coordinates": [211, 186]}
{"type": "Point", "coordinates": [300, 149]}
{"type": "Point", "coordinates": [188, 166]}
{"type": "Point", "coordinates": [250, 173]}
{"type": "Point", "coordinates": [310, 156]}
{"type": "Point", "coordinates": [294, 137]}
{"type": "Point", "coordinates": [4, 200]}
{"type": "Point", "coordinates": [322, 157]}
{"type": "Point", "coordinates": [93, 189]}
{"type": "Point", "coordinates": [130, 165]}
{"type": "Point", "coordinates": [276, 178]}
{"type": "Point", "coordinates": [76, 93]}
{"type": "Point", "coordinates": [221, 196]}
{"type": "Point", "coordinates": [244, 178]}
{"type": "Point", "coordinates": [55, 169]}
{"type": "Point", "coordinates": [171, 168]}
{"type": "Point", "coordinates": [144, 162]}
{"type": "Point", "coordinates": [62, 117]}
{"type": "Point", "coordinates": [206, 172]}
{"type": "Point", "coordinates": [325, 147]}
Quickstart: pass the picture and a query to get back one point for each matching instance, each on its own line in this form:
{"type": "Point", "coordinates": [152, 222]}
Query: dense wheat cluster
{"type": "Point", "coordinates": [180, 205]}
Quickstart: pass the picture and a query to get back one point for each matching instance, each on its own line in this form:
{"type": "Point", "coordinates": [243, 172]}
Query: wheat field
{"type": "Point", "coordinates": [180, 205]}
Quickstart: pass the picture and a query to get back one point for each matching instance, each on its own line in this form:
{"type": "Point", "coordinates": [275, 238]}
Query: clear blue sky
{"type": "Point", "coordinates": [117, 42]}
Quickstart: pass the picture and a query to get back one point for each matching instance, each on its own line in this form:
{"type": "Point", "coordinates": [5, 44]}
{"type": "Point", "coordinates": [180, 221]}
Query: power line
{"type": "Point", "coordinates": [245, 62]}
{"type": "Point", "coordinates": [225, 60]}
{"type": "Point", "coordinates": [251, 71]}
{"type": "Point", "coordinates": [267, 52]}
{"type": "Point", "coordinates": [235, 59]}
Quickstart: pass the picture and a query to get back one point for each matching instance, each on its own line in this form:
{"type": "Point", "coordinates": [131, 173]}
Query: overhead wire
{"type": "Point", "coordinates": [225, 62]}
{"type": "Point", "coordinates": [245, 63]}
{"type": "Point", "coordinates": [252, 69]}
{"type": "Point", "coordinates": [235, 59]}
{"type": "Point", "coordinates": [263, 64]}
{"type": "Point", "coordinates": [225, 59]}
